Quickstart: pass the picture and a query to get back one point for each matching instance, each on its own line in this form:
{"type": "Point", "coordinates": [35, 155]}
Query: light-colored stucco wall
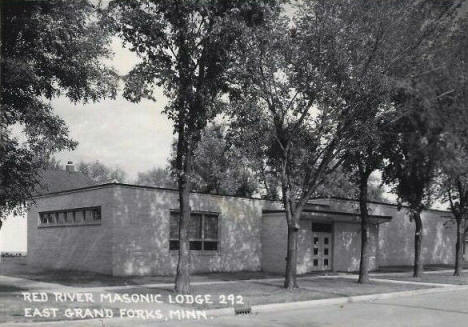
{"type": "Point", "coordinates": [396, 237]}
{"type": "Point", "coordinates": [133, 238]}
{"type": "Point", "coordinates": [141, 232]}
{"type": "Point", "coordinates": [85, 247]}
{"type": "Point", "coordinates": [274, 243]}
{"type": "Point", "coordinates": [347, 245]}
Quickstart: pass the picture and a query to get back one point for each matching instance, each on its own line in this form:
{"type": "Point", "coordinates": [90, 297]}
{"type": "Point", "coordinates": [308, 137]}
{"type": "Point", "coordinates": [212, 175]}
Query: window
{"type": "Point", "coordinates": [321, 228]}
{"type": "Point", "coordinates": [202, 231]}
{"type": "Point", "coordinates": [70, 217]}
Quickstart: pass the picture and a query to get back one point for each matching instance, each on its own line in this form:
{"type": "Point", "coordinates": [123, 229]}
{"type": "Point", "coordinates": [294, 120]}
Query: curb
{"type": "Point", "coordinates": [274, 307]}
{"type": "Point", "coordinates": [265, 308]}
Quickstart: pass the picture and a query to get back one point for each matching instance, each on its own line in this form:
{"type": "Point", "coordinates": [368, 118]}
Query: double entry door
{"type": "Point", "coordinates": [321, 246]}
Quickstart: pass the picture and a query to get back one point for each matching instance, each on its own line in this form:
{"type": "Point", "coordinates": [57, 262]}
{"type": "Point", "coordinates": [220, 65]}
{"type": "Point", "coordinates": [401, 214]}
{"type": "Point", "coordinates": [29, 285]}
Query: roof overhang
{"type": "Point", "coordinates": [333, 216]}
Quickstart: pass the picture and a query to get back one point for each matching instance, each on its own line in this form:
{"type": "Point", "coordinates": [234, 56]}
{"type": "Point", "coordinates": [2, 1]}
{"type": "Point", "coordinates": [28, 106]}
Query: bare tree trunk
{"type": "Point", "coordinates": [365, 251]}
{"type": "Point", "coordinates": [418, 267]}
{"type": "Point", "coordinates": [459, 247]}
{"type": "Point", "coordinates": [184, 157]}
{"type": "Point", "coordinates": [290, 281]}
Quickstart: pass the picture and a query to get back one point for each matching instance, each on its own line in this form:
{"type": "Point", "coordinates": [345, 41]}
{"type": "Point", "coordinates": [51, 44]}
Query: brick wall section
{"type": "Point", "coordinates": [141, 232]}
{"type": "Point", "coordinates": [86, 248]}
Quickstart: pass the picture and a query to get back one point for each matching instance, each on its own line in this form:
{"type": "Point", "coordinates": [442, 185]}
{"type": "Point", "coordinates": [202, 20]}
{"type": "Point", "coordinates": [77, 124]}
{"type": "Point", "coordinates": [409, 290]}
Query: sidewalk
{"type": "Point", "coordinates": [256, 294]}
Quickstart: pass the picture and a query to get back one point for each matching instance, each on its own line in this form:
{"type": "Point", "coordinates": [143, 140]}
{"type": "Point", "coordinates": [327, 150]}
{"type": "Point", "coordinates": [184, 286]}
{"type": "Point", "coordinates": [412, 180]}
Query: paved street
{"type": "Point", "coordinates": [442, 309]}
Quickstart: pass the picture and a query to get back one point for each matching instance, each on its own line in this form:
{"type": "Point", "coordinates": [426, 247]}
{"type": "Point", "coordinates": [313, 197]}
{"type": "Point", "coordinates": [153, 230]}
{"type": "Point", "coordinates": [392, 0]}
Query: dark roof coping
{"type": "Point", "coordinates": [342, 213]}
{"type": "Point", "coordinates": [376, 202]}
{"type": "Point", "coordinates": [98, 186]}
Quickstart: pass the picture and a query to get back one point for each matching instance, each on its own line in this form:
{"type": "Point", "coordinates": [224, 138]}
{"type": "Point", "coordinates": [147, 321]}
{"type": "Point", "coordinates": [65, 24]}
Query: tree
{"type": "Point", "coordinates": [100, 173]}
{"type": "Point", "coordinates": [49, 48]}
{"type": "Point", "coordinates": [453, 182]}
{"type": "Point", "coordinates": [341, 184]}
{"type": "Point", "coordinates": [454, 189]}
{"type": "Point", "coordinates": [219, 166]}
{"type": "Point", "coordinates": [160, 177]}
{"type": "Point", "coordinates": [367, 30]}
{"type": "Point", "coordinates": [186, 48]}
{"type": "Point", "coordinates": [284, 111]}
{"type": "Point", "coordinates": [421, 101]}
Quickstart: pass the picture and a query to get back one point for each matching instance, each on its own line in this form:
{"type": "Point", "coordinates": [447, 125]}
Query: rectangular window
{"type": "Point", "coordinates": [60, 218]}
{"type": "Point", "coordinates": [50, 219]}
{"type": "Point", "coordinates": [79, 218]}
{"type": "Point", "coordinates": [96, 214]}
{"type": "Point", "coordinates": [202, 231]}
{"type": "Point", "coordinates": [67, 217]}
{"type": "Point", "coordinates": [70, 217]}
{"type": "Point", "coordinates": [321, 228]}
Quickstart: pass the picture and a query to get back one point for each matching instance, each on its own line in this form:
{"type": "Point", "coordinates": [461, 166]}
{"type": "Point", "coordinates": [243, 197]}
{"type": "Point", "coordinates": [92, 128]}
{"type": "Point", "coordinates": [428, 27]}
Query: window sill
{"type": "Point", "coordinates": [69, 225]}
{"type": "Point", "coordinates": [197, 253]}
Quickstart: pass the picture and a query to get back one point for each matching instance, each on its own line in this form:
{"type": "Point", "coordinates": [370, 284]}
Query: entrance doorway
{"type": "Point", "coordinates": [321, 246]}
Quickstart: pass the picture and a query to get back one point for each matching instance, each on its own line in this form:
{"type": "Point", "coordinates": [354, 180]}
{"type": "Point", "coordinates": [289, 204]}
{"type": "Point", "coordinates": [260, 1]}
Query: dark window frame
{"type": "Point", "coordinates": [203, 241]}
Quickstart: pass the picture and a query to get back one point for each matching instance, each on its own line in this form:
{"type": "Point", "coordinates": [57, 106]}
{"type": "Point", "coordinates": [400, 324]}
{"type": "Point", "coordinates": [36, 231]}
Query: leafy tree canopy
{"type": "Point", "coordinates": [100, 173]}
{"type": "Point", "coordinates": [49, 48]}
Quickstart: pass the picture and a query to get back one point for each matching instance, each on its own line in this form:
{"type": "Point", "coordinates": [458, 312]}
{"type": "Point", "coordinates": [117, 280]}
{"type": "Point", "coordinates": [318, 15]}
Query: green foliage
{"type": "Point", "coordinates": [283, 111]}
{"type": "Point", "coordinates": [341, 183]}
{"type": "Point", "coordinates": [451, 74]}
{"type": "Point", "coordinates": [184, 47]}
{"type": "Point", "coordinates": [100, 173]}
{"type": "Point", "coordinates": [423, 96]}
{"type": "Point", "coordinates": [159, 177]}
{"type": "Point", "coordinates": [220, 168]}
{"type": "Point", "coordinates": [49, 48]}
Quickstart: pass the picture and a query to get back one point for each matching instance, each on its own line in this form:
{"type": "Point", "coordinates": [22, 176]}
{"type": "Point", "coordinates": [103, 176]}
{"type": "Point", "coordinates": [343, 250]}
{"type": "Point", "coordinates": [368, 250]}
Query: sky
{"type": "Point", "coordinates": [118, 133]}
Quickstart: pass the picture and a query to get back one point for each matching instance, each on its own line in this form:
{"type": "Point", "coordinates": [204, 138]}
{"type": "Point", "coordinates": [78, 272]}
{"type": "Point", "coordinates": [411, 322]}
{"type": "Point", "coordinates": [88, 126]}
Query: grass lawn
{"type": "Point", "coordinates": [90, 279]}
{"type": "Point", "coordinates": [442, 278]}
{"type": "Point", "coordinates": [265, 292]}
{"type": "Point", "coordinates": [14, 308]}
{"type": "Point", "coordinates": [252, 292]}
